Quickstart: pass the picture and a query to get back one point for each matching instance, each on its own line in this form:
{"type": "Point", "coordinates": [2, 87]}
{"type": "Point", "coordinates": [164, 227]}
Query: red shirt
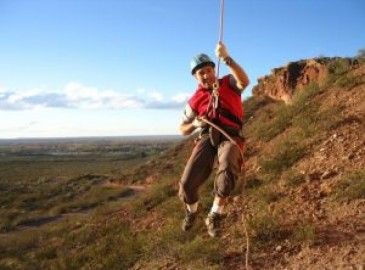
{"type": "Point", "coordinates": [229, 100]}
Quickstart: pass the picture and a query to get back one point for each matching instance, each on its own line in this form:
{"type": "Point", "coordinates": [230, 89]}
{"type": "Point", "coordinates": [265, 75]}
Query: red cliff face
{"type": "Point", "coordinates": [283, 82]}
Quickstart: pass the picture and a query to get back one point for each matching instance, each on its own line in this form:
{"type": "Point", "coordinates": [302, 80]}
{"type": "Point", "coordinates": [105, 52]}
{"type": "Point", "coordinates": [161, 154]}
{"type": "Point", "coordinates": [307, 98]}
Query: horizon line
{"type": "Point", "coordinates": [91, 137]}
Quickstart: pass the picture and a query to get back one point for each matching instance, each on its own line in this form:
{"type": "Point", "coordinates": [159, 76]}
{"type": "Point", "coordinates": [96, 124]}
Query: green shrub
{"type": "Point", "coordinates": [348, 81]}
{"type": "Point", "coordinates": [108, 244]}
{"type": "Point", "coordinates": [305, 96]}
{"type": "Point", "coordinates": [292, 178]}
{"type": "Point", "coordinates": [252, 105]}
{"type": "Point", "coordinates": [276, 119]}
{"type": "Point", "coordinates": [159, 193]}
{"type": "Point", "coordinates": [339, 74]}
{"type": "Point", "coordinates": [263, 228]}
{"type": "Point", "coordinates": [339, 66]}
{"type": "Point", "coordinates": [282, 157]}
{"type": "Point", "coordinates": [271, 122]}
{"type": "Point", "coordinates": [305, 108]}
{"type": "Point", "coordinates": [186, 247]}
{"type": "Point", "coordinates": [259, 127]}
{"type": "Point", "coordinates": [200, 247]}
{"type": "Point", "coordinates": [283, 115]}
{"type": "Point", "coordinates": [305, 232]}
{"type": "Point", "coordinates": [265, 194]}
{"type": "Point", "coordinates": [307, 115]}
{"type": "Point", "coordinates": [351, 186]}
{"type": "Point", "coordinates": [252, 181]}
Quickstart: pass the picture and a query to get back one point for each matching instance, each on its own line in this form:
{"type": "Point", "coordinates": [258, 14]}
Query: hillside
{"type": "Point", "coordinates": [304, 200]}
{"type": "Point", "coordinates": [302, 197]}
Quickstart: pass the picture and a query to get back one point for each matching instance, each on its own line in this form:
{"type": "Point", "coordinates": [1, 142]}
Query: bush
{"type": "Point", "coordinates": [276, 119]}
{"type": "Point", "coordinates": [272, 121]}
{"type": "Point", "coordinates": [264, 228]}
{"type": "Point", "coordinates": [351, 186]}
{"type": "Point", "coordinates": [306, 95]}
{"type": "Point", "coordinates": [159, 193]}
{"type": "Point", "coordinates": [339, 66]}
{"type": "Point", "coordinates": [305, 232]}
{"type": "Point", "coordinates": [348, 81]}
{"type": "Point", "coordinates": [339, 73]}
{"type": "Point", "coordinates": [293, 179]}
{"type": "Point", "coordinates": [307, 115]}
{"type": "Point", "coordinates": [282, 157]}
{"type": "Point", "coordinates": [108, 244]}
{"type": "Point", "coordinates": [266, 194]}
{"type": "Point", "coordinates": [200, 247]}
{"type": "Point", "coordinates": [252, 105]}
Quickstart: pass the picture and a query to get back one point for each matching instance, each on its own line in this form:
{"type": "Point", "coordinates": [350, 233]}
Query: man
{"type": "Point", "coordinates": [218, 101]}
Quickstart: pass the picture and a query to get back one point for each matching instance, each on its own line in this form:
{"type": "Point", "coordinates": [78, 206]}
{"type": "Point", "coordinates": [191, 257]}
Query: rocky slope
{"type": "Point", "coordinates": [321, 194]}
{"type": "Point", "coordinates": [302, 197]}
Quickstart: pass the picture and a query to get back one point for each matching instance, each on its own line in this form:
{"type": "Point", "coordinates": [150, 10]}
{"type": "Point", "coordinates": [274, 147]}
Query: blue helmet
{"type": "Point", "coordinates": [200, 61]}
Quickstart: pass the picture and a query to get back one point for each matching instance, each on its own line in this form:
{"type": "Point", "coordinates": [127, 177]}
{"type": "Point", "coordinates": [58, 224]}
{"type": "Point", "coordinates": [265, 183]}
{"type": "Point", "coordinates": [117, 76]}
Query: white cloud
{"type": "Point", "coordinates": [181, 97]}
{"type": "Point", "coordinates": [78, 96]}
{"type": "Point", "coordinates": [2, 90]}
{"type": "Point", "coordinates": [156, 96]}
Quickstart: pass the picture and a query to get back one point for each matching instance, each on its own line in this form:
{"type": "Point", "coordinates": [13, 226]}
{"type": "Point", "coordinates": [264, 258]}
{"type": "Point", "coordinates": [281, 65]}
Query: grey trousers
{"type": "Point", "coordinates": [201, 163]}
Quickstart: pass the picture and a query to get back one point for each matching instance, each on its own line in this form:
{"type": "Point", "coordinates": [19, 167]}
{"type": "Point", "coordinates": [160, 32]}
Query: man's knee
{"type": "Point", "coordinates": [224, 183]}
{"type": "Point", "coordinates": [187, 193]}
{"type": "Point", "coordinates": [186, 184]}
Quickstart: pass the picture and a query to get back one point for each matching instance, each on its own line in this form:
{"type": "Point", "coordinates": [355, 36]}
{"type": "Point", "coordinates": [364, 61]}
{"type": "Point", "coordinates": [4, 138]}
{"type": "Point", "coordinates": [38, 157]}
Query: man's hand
{"type": "Point", "coordinates": [198, 123]}
{"type": "Point", "coordinates": [221, 51]}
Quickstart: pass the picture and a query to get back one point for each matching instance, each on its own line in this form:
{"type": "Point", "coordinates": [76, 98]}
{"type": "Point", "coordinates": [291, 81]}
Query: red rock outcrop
{"type": "Point", "coordinates": [283, 82]}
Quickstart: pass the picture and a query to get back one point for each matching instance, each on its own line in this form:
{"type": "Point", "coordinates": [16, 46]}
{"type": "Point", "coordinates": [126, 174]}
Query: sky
{"type": "Point", "coordinates": [71, 68]}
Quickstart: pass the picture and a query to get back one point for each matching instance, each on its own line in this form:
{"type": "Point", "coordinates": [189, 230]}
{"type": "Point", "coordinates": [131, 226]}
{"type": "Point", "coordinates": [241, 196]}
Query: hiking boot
{"type": "Point", "coordinates": [189, 220]}
{"type": "Point", "coordinates": [213, 224]}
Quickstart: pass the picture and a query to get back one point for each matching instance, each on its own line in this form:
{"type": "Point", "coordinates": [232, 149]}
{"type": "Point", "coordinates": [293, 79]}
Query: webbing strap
{"type": "Point", "coordinates": [226, 135]}
{"type": "Point", "coordinates": [227, 114]}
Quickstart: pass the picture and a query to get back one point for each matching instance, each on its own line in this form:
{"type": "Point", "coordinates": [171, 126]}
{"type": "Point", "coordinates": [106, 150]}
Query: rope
{"type": "Point", "coordinates": [214, 96]}
{"type": "Point", "coordinates": [220, 39]}
{"type": "Point", "coordinates": [225, 134]}
{"type": "Point", "coordinates": [215, 93]}
{"type": "Point", "coordinates": [243, 219]}
{"type": "Point", "coordinates": [243, 187]}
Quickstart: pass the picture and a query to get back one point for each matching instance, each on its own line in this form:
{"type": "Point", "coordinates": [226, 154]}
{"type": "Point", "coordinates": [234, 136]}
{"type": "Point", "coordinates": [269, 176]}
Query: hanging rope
{"type": "Point", "coordinates": [215, 96]}
{"type": "Point", "coordinates": [243, 187]}
{"type": "Point", "coordinates": [220, 39]}
{"type": "Point", "coordinates": [225, 134]}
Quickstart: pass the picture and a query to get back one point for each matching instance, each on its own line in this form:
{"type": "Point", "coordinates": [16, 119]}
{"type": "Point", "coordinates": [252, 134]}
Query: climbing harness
{"type": "Point", "coordinates": [225, 134]}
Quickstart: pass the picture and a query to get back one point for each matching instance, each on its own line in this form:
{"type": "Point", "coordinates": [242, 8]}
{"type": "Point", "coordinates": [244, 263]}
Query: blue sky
{"type": "Point", "coordinates": [113, 68]}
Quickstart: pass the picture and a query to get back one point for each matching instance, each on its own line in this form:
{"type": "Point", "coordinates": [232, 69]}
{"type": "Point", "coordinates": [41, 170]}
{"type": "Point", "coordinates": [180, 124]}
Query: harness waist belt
{"type": "Point", "coordinates": [227, 114]}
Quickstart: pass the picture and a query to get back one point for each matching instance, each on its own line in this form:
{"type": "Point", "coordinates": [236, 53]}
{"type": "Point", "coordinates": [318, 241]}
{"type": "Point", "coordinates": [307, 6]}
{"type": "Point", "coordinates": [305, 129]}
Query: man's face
{"type": "Point", "coordinates": [206, 76]}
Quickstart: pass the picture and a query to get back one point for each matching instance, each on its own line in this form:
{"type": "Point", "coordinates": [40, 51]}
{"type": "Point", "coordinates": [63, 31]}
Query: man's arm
{"type": "Point", "coordinates": [186, 128]}
{"type": "Point", "coordinates": [235, 69]}
{"type": "Point", "coordinates": [190, 122]}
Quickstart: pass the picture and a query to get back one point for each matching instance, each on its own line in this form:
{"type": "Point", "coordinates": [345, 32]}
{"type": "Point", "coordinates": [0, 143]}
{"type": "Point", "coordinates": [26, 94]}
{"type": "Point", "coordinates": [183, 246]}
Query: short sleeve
{"type": "Point", "coordinates": [233, 84]}
{"type": "Point", "coordinates": [189, 115]}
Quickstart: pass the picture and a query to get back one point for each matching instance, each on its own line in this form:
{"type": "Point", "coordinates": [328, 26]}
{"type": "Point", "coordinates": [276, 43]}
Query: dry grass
{"type": "Point", "coordinates": [146, 233]}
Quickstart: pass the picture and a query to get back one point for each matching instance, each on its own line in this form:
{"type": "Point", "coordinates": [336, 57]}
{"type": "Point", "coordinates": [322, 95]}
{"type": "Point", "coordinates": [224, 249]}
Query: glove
{"type": "Point", "coordinates": [221, 51]}
{"type": "Point", "coordinates": [197, 123]}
